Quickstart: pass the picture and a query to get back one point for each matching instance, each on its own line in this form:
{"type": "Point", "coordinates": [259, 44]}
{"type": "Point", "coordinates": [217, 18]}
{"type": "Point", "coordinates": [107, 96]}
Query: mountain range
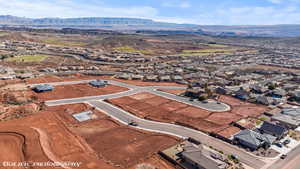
{"type": "Point", "coordinates": [151, 26]}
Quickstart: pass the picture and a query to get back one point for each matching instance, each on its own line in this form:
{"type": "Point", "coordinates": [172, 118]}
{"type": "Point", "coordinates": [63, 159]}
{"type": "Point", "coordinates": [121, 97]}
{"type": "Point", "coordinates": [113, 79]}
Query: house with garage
{"type": "Point", "coordinates": [98, 83]}
{"type": "Point", "coordinates": [242, 94]}
{"type": "Point", "coordinates": [277, 93]}
{"type": "Point", "coordinates": [296, 96]}
{"type": "Point", "coordinates": [273, 129]}
{"type": "Point", "coordinates": [289, 118]}
{"type": "Point", "coordinates": [43, 88]}
{"type": "Point", "coordinates": [258, 89]}
{"type": "Point", "coordinates": [253, 140]}
{"type": "Point", "coordinates": [264, 100]}
{"type": "Point", "coordinates": [189, 155]}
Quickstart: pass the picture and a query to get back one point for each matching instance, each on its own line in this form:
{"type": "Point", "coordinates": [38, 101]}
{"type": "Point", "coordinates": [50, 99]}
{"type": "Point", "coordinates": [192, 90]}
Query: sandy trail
{"type": "Point", "coordinates": [44, 141]}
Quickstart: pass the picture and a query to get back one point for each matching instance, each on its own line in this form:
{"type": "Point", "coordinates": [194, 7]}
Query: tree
{"type": "Point", "coordinates": [272, 86]}
{"type": "Point", "coordinates": [202, 98]}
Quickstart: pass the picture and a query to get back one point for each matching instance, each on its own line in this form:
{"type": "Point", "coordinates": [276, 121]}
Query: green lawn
{"type": "Point", "coordinates": [27, 58]}
{"type": "Point", "coordinates": [208, 51]}
{"type": "Point", "coordinates": [128, 49]}
{"type": "Point", "coordinates": [205, 52]}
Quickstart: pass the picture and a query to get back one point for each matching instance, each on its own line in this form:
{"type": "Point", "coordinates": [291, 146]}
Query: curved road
{"type": "Point", "coordinates": [171, 129]}
{"type": "Point", "coordinates": [176, 130]}
{"type": "Point", "coordinates": [210, 106]}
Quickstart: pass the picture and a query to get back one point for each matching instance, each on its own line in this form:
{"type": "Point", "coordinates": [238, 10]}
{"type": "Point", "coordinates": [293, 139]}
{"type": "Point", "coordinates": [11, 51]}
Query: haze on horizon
{"type": "Point", "coordinates": [212, 12]}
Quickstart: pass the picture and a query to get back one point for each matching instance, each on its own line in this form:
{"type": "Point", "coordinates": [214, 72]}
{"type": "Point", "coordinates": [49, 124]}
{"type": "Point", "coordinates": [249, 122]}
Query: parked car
{"type": "Point", "coordinates": [283, 156]}
{"type": "Point", "coordinates": [278, 145]}
{"type": "Point", "coordinates": [287, 141]}
{"type": "Point", "coordinates": [133, 123]}
{"type": "Point", "coordinates": [204, 101]}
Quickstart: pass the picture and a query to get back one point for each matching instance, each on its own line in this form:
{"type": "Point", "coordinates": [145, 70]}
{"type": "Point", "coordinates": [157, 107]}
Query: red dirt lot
{"type": "Point", "coordinates": [12, 145]}
{"type": "Point", "coordinates": [152, 107]}
{"type": "Point", "coordinates": [223, 118]}
{"type": "Point", "coordinates": [77, 90]}
{"type": "Point", "coordinates": [46, 139]}
{"type": "Point", "coordinates": [229, 132]}
{"type": "Point", "coordinates": [242, 108]}
{"type": "Point", "coordinates": [53, 78]}
{"type": "Point", "coordinates": [173, 91]}
{"type": "Point", "coordinates": [114, 143]}
{"type": "Point", "coordinates": [127, 147]}
{"type": "Point", "coordinates": [162, 109]}
{"type": "Point", "coordinates": [194, 112]}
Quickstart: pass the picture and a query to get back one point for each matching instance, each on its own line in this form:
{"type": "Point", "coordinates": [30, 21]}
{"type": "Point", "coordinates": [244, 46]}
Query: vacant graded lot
{"type": "Point", "coordinates": [157, 108]}
{"type": "Point", "coordinates": [114, 143]}
{"type": "Point", "coordinates": [77, 90]}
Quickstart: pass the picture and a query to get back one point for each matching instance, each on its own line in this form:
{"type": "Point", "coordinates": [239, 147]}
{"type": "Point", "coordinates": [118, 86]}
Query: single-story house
{"type": "Point", "coordinates": [273, 129]}
{"type": "Point", "coordinates": [151, 78]}
{"type": "Point", "coordinates": [277, 93]}
{"type": "Point", "coordinates": [221, 90]}
{"type": "Point", "coordinates": [289, 117]}
{"type": "Point", "coordinates": [253, 140]}
{"type": "Point", "coordinates": [242, 94]}
{"type": "Point", "coordinates": [201, 159]}
{"type": "Point", "coordinates": [258, 89]}
{"type": "Point", "coordinates": [296, 95]}
{"type": "Point", "coordinates": [137, 77]}
{"type": "Point", "coordinates": [43, 88]}
{"type": "Point", "coordinates": [165, 78]}
{"type": "Point", "coordinates": [98, 83]}
{"type": "Point", "coordinates": [124, 76]}
{"type": "Point", "coordinates": [264, 100]}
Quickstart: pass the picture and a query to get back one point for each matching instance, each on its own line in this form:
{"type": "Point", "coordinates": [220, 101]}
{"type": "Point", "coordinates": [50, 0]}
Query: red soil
{"type": "Point", "coordinates": [77, 90]}
{"type": "Point", "coordinates": [229, 132]}
{"type": "Point", "coordinates": [12, 145]}
{"type": "Point", "coordinates": [113, 143]}
{"type": "Point", "coordinates": [53, 142]}
{"type": "Point", "coordinates": [173, 91]}
{"type": "Point", "coordinates": [242, 108]}
{"type": "Point", "coordinates": [223, 118]}
{"type": "Point", "coordinates": [53, 78]}
{"type": "Point", "coordinates": [161, 109]}
{"type": "Point", "coordinates": [194, 112]}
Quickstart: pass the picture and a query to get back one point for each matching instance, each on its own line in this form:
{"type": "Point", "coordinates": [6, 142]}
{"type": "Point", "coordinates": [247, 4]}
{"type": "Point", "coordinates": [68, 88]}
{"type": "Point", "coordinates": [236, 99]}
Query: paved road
{"type": "Point", "coordinates": [210, 106]}
{"type": "Point", "coordinates": [171, 129]}
{"type": "Point", "coordinates": [292, 161]}
{"type": "Point", "coordinates": [176, 130]}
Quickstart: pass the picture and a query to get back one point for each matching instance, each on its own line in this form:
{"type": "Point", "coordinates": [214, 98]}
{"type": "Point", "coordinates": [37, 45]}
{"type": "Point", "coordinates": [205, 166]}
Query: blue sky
{"type": "Point", "coordinates": [203, 12]}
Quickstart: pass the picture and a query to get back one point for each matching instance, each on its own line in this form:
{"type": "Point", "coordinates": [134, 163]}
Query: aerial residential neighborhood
{"type": "Point", "coordinates": [159, 84]}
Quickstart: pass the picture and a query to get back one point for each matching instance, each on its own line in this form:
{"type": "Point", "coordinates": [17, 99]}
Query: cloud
{"type": "Point", "coordinates": [283, 1]}
{"type": "Point", "coordinates": [69, 8]}
{"type": "Point", "coordinates": [176, 3]}
{"type": "Point", "coordinates": [252, 16]}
